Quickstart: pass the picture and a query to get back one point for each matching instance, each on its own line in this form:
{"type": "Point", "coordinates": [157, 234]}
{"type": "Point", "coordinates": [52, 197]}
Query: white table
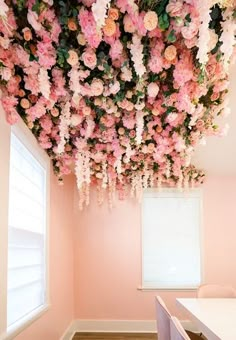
{"type": "Point", "coordinates": [215, 318]}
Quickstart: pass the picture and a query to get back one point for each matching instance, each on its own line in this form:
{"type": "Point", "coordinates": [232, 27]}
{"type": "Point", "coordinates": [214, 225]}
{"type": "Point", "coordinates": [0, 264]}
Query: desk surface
{"type": "Point", "coordinates": [215, 318]}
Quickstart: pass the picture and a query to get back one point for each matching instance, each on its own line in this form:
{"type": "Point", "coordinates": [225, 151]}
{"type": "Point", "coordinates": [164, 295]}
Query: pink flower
{"type": "Point", "coordinates": [156, 63]}
{"type": "Point", "coordinates": [129, 26]}
{"type": "Point", "coordinates": [9, 105]}
{"type": "Point", "coordinates": [183, 71]}
{"type": "Point", "coordinates": [34, 20]}
{"type": "Point", "coordinates": [189, 32]}
{"type": "Point", "coordinates": [97, 87]}
{"type": "Point", "coordinates": [152, 90]}
{"type": "Point", "coordinates": [116, 49]}
{"type": "Point", "coordinates": [174, 8]}
{"type": "Point", "coordinates": [150, 20]}
{"type": "Point", "coordinates": [47, 54]}
{"type": "Point", "coordinates": [73, 58]}
{"type": "Point", "coordinates": [89, 28]}
{"type": "Point", "coordinates": [89, 58]}
{"type": "Point", "coordinates": [114, 88]}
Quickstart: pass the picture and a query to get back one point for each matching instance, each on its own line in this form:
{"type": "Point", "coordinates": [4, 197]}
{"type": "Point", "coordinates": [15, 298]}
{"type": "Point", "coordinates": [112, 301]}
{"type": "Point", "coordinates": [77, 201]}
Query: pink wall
{"type": "Point", "coordinates": [108, 255]}
{"type": "Point", "coordinates": [54, 322]}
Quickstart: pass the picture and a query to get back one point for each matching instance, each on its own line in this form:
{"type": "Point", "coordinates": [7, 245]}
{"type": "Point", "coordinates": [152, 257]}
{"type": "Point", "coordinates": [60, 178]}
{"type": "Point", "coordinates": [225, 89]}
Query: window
{"type": "Point", "coordinates": [23, 277]}
{"type": "Point", "coordinates": [171, 239]}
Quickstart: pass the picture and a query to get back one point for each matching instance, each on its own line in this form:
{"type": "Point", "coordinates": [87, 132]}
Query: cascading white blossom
{"type": "Point", "coordinates": [136, 186]}
{"type": "Point", "coordinates": [168, 168]}
{"type": "Point", "coordinates": [44, 83]}
{"type": "Point", "coordinates": [159, 183]}
{"type": "Point", "coordinates": [151, 178]}
{"type": "Point", "coordinates": [228, 36]}
{"type": "Point", "coordinates": [99, 9]}
{"type": "Point", "coordinates": [145, 178]}
{"type": "Point", "coordinates": [136, 50]}
{"type": "Point", "coordinates": [104, 175]}
{"type": "Point", "coordinates": [90, 127]}
{"type": "Point", "coordinates": [83, 174]}
{"type": "Point", "coordinates": [204, 32]}
{"type": "Point", "coordinates": [139, 127]}
{"type": "Point", "coordinates": [64, 127]}
{"type": "Point", "coordinates": [128, 153]}
{"type": "Point", "coordinates": [118, 164]}
{"type": "Point", "coordinates": [180, 181]}
{"type": "Point", "coordinates": [74, 83]}
{"type": "Point", "coordinates": [3, 9]}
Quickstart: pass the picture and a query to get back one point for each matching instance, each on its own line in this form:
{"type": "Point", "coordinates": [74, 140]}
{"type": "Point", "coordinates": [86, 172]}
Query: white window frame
{"type": "Point", "coordinates": [29, 141]}
{"type": "Point", "coordinates": [173, 192]}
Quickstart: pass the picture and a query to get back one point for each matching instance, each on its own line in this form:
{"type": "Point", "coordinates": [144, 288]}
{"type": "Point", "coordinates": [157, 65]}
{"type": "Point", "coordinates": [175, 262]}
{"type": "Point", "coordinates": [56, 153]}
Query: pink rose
{"type": "Point", "coordinates": [73, 58]}
{"type": "Point", "coordinates": [89, 58]}
{"type": "Point", "coordinates": [174, 8]}
{"type": "Point", "coordinates": [189, 32]}
{"type": "Point", "coordinates": [114, 88]}
{"type": "Point", "coordinates": [128, 24]}
{"type": "Point", "coordinates": [97, 87]}
{"type": "Point", "coordinates": [152, 90]}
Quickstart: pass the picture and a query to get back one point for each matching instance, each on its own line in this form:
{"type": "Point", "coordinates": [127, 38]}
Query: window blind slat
{"type": "Point", "coordinates": [26, 233]}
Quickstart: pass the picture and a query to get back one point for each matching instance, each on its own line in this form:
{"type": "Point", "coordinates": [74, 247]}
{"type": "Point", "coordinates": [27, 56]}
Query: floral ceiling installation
{"type": "Point", "coordinates": [123, 89]}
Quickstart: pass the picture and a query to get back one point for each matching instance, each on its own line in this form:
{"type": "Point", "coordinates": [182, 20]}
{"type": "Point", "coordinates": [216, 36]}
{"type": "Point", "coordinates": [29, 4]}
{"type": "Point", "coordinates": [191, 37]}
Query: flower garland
{"type": "Point", "coordinates": [123, 91]}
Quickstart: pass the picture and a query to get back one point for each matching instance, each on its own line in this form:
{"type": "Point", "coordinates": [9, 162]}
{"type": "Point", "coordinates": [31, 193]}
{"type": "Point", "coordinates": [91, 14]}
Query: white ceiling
{"type": "Point", "coordinates": [218, 156]}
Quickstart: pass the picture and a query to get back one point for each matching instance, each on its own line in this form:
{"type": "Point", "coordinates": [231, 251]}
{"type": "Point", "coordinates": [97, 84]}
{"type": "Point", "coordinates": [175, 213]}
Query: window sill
{"type": "Point", "coordinates": [146, 289]}
{"type": "Point", "coordinates": [20, 326]}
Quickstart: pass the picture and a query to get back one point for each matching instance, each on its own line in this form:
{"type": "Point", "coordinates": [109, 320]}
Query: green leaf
{"type": "Point", "coordinates": [36, 7]}
{"type": "Point", "coordinates": [201, 77]}
{"type": "Point", "coordinates": [170, 109]}
{"type": "Point", "coordinates": [219, 55]}
{"type": "Point", "coordinates": [33, 57]}
{"type": "Point", "coordinates": [188, 18]}
{"type": "Point", "coordinates": [171, 37]}
{"type": "Point", "coordinates": [215, 13]}
{"type": "Point", "coordinates": [164, 21]}
{"type": "Point", "coordinates": [161, 6]}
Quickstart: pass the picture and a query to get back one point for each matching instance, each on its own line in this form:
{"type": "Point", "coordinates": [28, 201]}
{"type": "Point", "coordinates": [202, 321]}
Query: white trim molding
{"type": "Point", "coordinates": [116, 326]}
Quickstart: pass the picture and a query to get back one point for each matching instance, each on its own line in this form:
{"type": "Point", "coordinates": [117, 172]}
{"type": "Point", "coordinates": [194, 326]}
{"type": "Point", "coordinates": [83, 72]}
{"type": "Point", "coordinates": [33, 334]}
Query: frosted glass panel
{"type": "Point", "coordinates": [171, 241]}
{"type": "Point", "coordinates": [26, 233]}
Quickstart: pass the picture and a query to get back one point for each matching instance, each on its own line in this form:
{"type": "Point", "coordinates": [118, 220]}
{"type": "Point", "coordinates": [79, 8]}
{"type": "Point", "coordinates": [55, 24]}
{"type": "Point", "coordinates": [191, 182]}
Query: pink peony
{"type": "Point", "coordinates": [116, 50]}
{"type": "Point", "coordinates": [89, 28]}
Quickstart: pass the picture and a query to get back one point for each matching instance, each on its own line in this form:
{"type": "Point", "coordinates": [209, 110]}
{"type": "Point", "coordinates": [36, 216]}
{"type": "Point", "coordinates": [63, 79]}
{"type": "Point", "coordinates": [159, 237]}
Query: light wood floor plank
{"type": "Point", "coordinates": [114, 336]}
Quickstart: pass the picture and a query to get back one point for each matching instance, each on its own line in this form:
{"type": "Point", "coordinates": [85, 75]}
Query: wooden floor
{"type": "Point", "coordinates": [114, 336]}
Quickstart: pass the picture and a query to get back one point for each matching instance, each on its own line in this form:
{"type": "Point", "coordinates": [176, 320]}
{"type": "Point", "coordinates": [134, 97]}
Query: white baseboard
{"type": "Point", "coordinates": [116, 326]}
{"type": "Point", "coordinates": [69, 332]}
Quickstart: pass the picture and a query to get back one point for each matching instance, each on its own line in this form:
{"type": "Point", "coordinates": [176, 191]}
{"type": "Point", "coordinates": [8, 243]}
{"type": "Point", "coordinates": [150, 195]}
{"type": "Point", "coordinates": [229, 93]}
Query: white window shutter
{"type": "Point", "coordinates": [26, 233]}
{"type": "Point", "coordinates": [171, 240]}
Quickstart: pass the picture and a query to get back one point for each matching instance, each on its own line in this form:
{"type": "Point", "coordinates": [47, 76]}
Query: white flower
{"type": "Point", "coordinates": [3, 9]}
{"type": "Point", "coordinates": [63, 127]}
{"type": "Point", "coordinates": [44, 84]}
{"type": "Point", "coordinates": [227, 36]}
{"type": "Point", "coordinates": [204, 32]}
{"type": "Point", "coordinates": [99, 9]}
{"type": "Point", "coordinates": [32, 18]}
{"type": "Point", "coordinates": [139, 126]}
{"type": "Point", "coordinates": [136, 50]}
